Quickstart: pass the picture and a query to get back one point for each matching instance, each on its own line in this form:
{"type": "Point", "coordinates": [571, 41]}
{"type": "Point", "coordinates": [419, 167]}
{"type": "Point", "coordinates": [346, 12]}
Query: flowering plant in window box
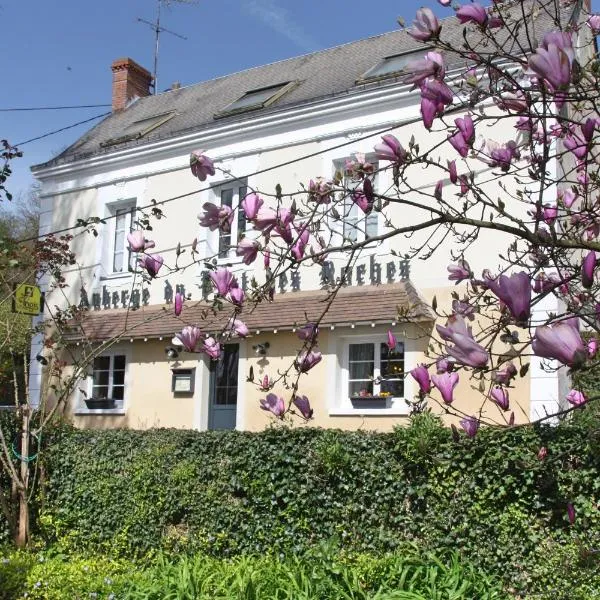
{"type": "Point", "coordinates": [365, 395]}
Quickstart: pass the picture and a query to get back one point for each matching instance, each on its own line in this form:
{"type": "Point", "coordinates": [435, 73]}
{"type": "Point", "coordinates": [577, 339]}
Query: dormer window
{"type": "Point", "coordinates": [139, 129]}
{"type": "Point", "coordinates": [391, 66]}
{"type": "Point", "coordinates": [255, 99]}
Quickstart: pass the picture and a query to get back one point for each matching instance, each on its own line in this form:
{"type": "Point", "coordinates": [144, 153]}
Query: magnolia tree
{"type": "Point", "coordinates": [539, 188]}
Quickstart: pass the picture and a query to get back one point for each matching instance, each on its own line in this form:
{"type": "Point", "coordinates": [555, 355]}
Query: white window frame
{"type": "Point", "coordinates": [235, 234]}
{"type": "Point", "coordinates": [88, 385]}
{"type": "Point", "coordinates": [340, 403]}
{"type": "Point", "coordinates": [128, 205]}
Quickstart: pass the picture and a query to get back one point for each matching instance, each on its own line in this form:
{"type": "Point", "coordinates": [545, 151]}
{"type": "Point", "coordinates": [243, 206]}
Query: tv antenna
{"type": "Point", "coordinates": [158, 29]}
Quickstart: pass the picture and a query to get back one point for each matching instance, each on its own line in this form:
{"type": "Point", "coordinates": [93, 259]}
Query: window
{"type": "Point", "coordinates": [391, 66]}
{"type": "Point", "coordinates": [232, 195]}
{"type": "Point", "coordinates": [375, 371]}
{"type": "Point", "coordinates": [107, 389]}
{"type": "Point", "coordinates": [121, 259]}
{"type": "Point", "coordinates": [139, 129]}
{"type": "Point", "coordinates": [255, 99]}
{"type": "Point", "coordinates": [358, 227]}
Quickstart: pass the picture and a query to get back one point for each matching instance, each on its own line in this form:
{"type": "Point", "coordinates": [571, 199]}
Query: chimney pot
{"type": "Point", "coordinates": [176, 85]}
{"type": "Point", "coordinates": [130, 81]}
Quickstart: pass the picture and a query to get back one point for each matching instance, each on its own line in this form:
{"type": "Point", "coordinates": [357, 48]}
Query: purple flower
{"type": "Point", "coordinates": [178, 303]}
{"type": "Point", "coordinates": [248, 249]}
{"type": "Point", "coordinates": [238, 327]}
{"type": "Point", "coordinates": [465, 350]}
{"type": "Point", "coordinates": [466, 128]}
{"type": "Point", "coordinates": [237, 296]}
{"type": "Point", "coordinates": [501, 155]}
{"type": "Point", "coordinates": [500, 396]}
{"type": "Point", "coordinates": [308, 331]}
{"type": "Point", "coordinates": [431, 65]}
{"type": "Point", "coordinates": [265, 220]}
{"type": "Point", "coordinates": [189, 337]}
{"type": "Point", "coordinates": [137, 241]}
{"type": "Point", "coordinates": [514, 292]}
{"type": "Point", "coordinates": [152, 263]}
{"type": "Point", "coordinates": [303, 405]}
{"type": "Point", "coordinates": [576, 398]}
{"type": "Point", "coordinates": [212, 348]}
{"type": "Point", "coordinates": [201, 165]}
{"type": "Point", "coordinates": [223, 280]}
{"type": "Point", "coordinates": [251, 205]}
{"type": "Point", "coordinates": [392, 341]}
{"type": "Point", "coordinates": [464, 309]}
{"type": "Point", "coordinates": [594, 23]}
{"type": "Point", "coordinates": [553, 65]}
{"type": "Point", "coordinates": [457, 141]}
{"type": "Point", "coordinates": [421, 376]}
{"type": "Point", "coordinates": [472, 13]}
{"type": "Point", "coordinates": [266, 383]}
{"type": "Point", "coordinates": [216, 217]}
{"type": "Point", "coordinates": [391, 149]}
{"type": "Point", "coordinates": [460, 271]}
{"type": "Point", "coordinates": [442, 365]}
{"type": "Point", "coordinates": [560, 341]}
{"type": "Point", "coordinates": [425, 26]}
{"type": "Point", "coordinates": [470, 425]}
{"type": "Point", "coordinates": [571, 513]}
{"type": "Point", "coordinates": [274, 404]}
{"type": "Point", "coordinates": [445, 383]}
{"type": "Point", "coordinates": [452, 171]}
{"type": "Point", "coordinates": [320, 190]}
{"type": "Point", "coordinates": [592, 347]}
{"type": "Point", "coordinates": [435, 96]}
{"type": "Point", "coordinates": [515, 101]}
{"type": "Point", "coordinates": [587, 270]}
{"type": "Point", "coordinates": [307, 359]}
{"type": "Point", "coordinates": [503, 376]}
{"type": "Point", "coordinates": [550, 213]}
{"type": "Point", "coordinates": [576, 145]}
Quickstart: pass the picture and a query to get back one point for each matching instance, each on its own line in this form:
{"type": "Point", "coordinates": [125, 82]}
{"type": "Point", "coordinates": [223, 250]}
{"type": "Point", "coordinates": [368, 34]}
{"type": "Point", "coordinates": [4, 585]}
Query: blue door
{"type": "Point", "coordinates": [222, 399]}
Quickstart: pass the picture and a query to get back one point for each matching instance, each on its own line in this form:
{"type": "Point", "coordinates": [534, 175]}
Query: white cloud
{"type": "Point", "coordinates": [278, 19]}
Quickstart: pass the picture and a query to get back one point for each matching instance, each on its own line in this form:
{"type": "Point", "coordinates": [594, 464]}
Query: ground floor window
{"type": "Point", "coordinates": [107, 382]}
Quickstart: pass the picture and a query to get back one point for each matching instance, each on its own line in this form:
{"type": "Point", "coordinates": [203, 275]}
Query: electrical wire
{"type": "Point", "coordinates": [29, 108]}
{"type": "Point", "coordinates": [45, 135]}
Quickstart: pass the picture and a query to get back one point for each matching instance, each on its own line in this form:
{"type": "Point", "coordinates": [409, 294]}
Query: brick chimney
{"type": "Point", "coordinates": [130, 81]}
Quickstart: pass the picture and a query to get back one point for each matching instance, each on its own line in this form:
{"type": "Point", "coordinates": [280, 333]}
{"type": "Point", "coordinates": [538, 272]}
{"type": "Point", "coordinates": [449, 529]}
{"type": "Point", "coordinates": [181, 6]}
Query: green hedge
{"type": "Point", "coordinates": [132, 493]}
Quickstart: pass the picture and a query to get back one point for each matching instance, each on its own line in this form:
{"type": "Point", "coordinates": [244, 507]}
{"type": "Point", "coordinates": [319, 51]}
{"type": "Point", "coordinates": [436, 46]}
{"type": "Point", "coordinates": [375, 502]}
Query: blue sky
{"type": "Point", "coordinates": [60, 52]}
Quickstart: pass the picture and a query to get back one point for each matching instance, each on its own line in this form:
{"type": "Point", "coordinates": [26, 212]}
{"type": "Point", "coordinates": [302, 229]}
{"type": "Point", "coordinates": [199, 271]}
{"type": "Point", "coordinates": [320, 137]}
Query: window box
{"type": "Point", "coordinates": [100, 403]}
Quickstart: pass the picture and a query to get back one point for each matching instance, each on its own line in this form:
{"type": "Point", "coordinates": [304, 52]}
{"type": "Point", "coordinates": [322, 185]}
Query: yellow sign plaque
{"type": "Point", "coordinates": [27, 299]}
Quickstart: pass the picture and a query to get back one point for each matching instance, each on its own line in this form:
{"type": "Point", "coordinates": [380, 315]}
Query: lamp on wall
{"type": "Point", "coordinates": [171, 352]}
{"type": "Point", "coordinates": [261, 349]}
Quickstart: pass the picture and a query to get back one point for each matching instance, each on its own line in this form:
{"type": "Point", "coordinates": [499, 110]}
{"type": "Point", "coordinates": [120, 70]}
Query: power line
{"type": "Point", "coordinates": [260, 172]}
{"type": "Point", "coordinates": [28, 108]}
{"type": "Point", "coordinates": [45, 135]}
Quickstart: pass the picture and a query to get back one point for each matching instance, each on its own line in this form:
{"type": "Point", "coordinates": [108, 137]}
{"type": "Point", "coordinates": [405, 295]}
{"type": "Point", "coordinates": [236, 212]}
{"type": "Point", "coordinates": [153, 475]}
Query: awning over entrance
{"type": "Point", "coordinates": [381, 304]}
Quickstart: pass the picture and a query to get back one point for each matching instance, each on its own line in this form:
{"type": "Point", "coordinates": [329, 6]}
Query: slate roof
{"type": "Point", "coordinates": [366, 304]}
{"type": "Point", "coordinates": [320, 75]}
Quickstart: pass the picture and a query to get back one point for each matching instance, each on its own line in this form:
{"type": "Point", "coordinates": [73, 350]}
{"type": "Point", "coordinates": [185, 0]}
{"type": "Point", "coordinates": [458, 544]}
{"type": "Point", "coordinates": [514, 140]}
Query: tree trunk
{"type": "Point", "coordinates": [23, 528]}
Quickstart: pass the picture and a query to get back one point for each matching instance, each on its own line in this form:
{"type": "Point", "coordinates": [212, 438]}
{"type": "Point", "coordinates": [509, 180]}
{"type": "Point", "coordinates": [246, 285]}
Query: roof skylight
{"type": "Point", "coordinates": [139, 129]}
{"type": "Point", "coordinates": [255, 99]}
{"type": "Point", "coordinates": [391, 66]}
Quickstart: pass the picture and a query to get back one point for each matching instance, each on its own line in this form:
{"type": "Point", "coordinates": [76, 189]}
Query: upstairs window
{"type": "Point", "coordinates": [121, 258]}
{"type": "Point", "coordinates": [391, 66]}
{"type": "Point", "coordinates": [255, 99]}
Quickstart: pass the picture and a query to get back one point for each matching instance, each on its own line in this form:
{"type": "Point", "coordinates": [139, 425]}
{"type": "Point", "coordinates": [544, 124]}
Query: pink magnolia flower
{"type": "Point", "coordinates": [503, 376]}
{"type": "Point", "coordinates": [178, 303]}
{"type": "Point", "coordinates": [465, 350]}
{"type": "Point", "coordinates": [470, 426]}
{"type": "Point", "coordinates": [308, 331]}
{"type": "Point", "coordinates": [251, 205]}
{"type": "Point", "coordinates": [237, 296]}
{"type": "Point", "coordinates": [392, 341]}
{"type": "Point", "coordinates": [500, 396]}
{"type": "Point", "coordinates": [553, 65]}
{"type": "Point", "coordinates": [435, 96]}
{"type": "Point", "coordinates": [189, 337]}
{"type": "Point", "coordinates": [152, 263]}
{"type": "Point", "coordinates": [457, 141]}
{"type": "Point", "coordinates": [560, 341]}
{"type": "Point", "coordinates": [201, 165]}
{"type": "Point", "coordinates": [216, 217]}
{"type": "Point", "coordinates": [320, 190]}
{"type": "Point", "coordinates": [248, 249]}
{"type": "Point", "coordinates": [421, 376]}
{"type": "Point", "coordinates": [500, 155]}
{"type": "Point", "coordinates": [266, 383]}
{"type": "Point", "coordinates": [542, 453]}
{"type": "Point", "coordinates": [445, 2]}
{"type": "Point", "coordinates": [307, 359]}
{"type": "Point", "coordinates": [464, 309]}
{"type": "Point", "coordinates": [515, 101]}
{"type": "Point", "coordinates": [303, 405]}
{"type": "Point", "coordinates": [274, 404]}
{"type": "Point", "coordinates": [265, 220]}
{"type": "Point", "coordinates": [223, 280]}
{"type": "Point", "coordinates": [472, 13]}
{"type": "Point", "coordinates": [460, 271]}
{"type": "Point", "coordinates": [137, 241]}
{"type": "Point", "coordinates": [442, 365]}
{"type": "Point", "coordinates": [594, 23]}
{"type": "Point", "coordinates": [445, 383]}
{"type": "Point", "coordinates": [391, 149]}
{"type": "Point", "coordinates": [576, 145]}
{"type": "Point", "coordinates": [238, 327]}
{"type": "Point", "coordinates": [592, 347]}
{"type": "Point", "coordinates": [360, 199]}
{"type": "Point", "coordinates": [576, 398]}
{"type": "Point", "coordinates": [466, 128]}
{"type": "Point", "coordinates": [452, 171]}
{"type": "Point", "coordinates": [514, 292]}
{"type": "Point", "coordinates": [212, 348]}
{"type": "Point", "coordinates": [425, 26]}
{"type": "Point", "coordinates": [550, 213]}
{"type": "Point", "coordinates": [588, 266]}
{"type": "Point", "coordinates": [431, 65]}
{"type": "Point", "coordinates": [267, 258]}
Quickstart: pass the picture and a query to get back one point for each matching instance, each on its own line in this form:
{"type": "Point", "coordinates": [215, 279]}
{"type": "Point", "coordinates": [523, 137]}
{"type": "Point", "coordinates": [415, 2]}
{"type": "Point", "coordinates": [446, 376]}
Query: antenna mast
{"type": "Point", "coordinates": [156, 27]}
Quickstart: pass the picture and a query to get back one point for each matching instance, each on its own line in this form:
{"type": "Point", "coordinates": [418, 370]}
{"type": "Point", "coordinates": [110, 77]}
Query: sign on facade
{"type": "Point", "coordinates": [27, 299]}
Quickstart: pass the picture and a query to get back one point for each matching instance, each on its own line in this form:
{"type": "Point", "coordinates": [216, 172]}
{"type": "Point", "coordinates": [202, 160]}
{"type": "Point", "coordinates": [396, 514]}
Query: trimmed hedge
{"type": "Point", "coordinates": [133, 493]}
